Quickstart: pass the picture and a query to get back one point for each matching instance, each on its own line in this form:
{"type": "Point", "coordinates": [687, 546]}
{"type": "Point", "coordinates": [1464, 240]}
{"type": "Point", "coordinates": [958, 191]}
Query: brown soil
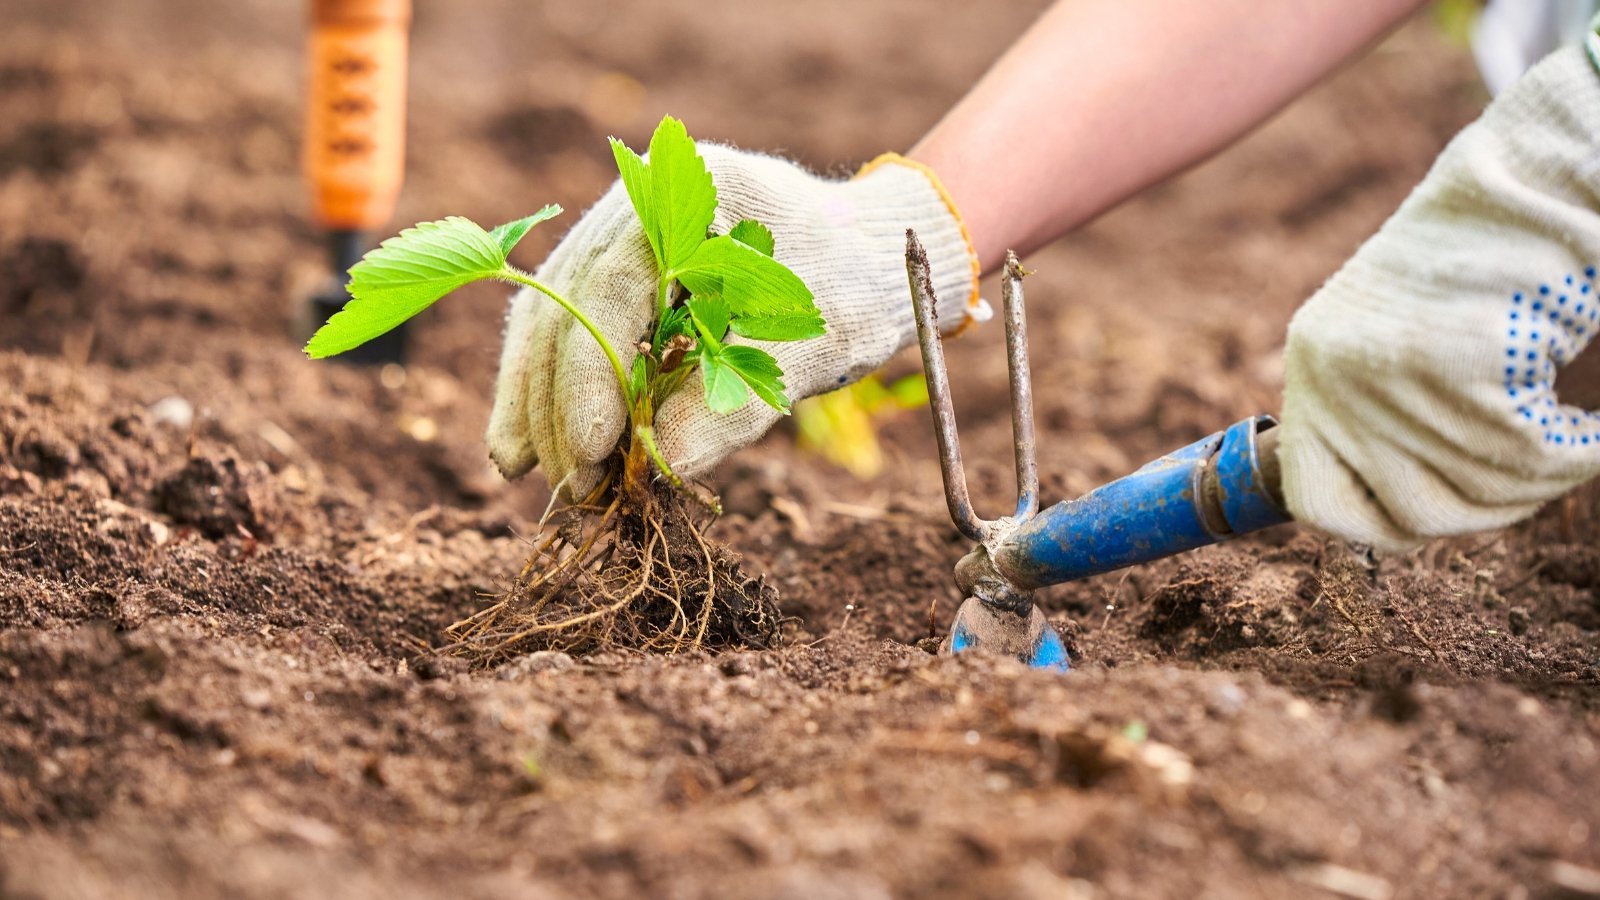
{"type": "Point", "coordinates": [223, 568]}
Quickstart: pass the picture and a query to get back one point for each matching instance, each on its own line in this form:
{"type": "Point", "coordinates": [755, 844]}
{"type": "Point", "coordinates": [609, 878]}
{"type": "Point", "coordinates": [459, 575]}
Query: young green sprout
{"type": "Point", "coordinates": [733, 282]}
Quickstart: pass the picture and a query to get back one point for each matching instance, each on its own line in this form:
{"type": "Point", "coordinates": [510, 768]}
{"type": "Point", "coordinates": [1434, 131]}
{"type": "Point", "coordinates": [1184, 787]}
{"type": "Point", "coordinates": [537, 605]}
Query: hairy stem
{"type": "Point", "coordinates": [647, 436]}
{"type": "Point", "coordinates": [510, 273]}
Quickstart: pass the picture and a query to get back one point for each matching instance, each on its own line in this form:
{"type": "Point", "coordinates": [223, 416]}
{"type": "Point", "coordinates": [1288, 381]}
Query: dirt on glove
{"type": "Point", "coordinates": [226, 572]}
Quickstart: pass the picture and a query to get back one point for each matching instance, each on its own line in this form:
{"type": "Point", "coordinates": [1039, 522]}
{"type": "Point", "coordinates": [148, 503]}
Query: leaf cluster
{"type": "Point", "coordinates": [735, 283]}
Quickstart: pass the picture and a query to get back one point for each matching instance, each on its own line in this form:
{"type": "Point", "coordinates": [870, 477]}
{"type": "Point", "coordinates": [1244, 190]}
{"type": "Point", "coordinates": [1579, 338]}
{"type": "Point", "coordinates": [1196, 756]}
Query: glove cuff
{"type": "Point", "coordinates": [956, 268]}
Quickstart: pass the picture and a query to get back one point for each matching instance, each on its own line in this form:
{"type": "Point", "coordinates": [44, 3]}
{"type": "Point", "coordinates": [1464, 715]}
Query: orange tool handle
{"type": "Point", "coordinates": [356, 120]}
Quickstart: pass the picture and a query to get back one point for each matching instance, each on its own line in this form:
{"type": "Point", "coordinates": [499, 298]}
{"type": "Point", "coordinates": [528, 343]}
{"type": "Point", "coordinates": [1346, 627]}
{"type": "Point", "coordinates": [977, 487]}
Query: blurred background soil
{"type": "Point", "coordinates": [223, 568]}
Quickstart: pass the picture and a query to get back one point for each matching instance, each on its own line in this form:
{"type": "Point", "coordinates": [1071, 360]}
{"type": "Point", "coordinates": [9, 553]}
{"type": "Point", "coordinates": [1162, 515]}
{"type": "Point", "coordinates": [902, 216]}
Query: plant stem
{"type": "Point", "coordinates": [511, 273]}
{"type": "Point", "coordinates": [663, 294]}
{"type": "Point", "coordinates": [647, 437]}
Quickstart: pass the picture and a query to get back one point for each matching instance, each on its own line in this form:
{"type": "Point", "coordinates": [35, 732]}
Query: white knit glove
{"type": "Point", "coordinates": [556, 400]}
{"type": "Point", "coordinates": [1419, 399]}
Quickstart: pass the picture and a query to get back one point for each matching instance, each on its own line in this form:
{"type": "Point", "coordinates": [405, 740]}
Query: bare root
{"type": "Point", "coordinates": [637, 573]}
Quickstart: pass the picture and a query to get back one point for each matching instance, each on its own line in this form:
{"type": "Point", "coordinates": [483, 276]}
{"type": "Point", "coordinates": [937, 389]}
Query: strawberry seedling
{"type": "Point", "coordinates": [663, 586]}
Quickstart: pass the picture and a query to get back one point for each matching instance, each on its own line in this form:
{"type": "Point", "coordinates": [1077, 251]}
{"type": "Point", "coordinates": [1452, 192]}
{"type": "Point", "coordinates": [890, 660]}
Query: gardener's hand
{"type": "Point", "coordinates": [1420, 395]}
{"type": "Point", "coordinates": [556, 400]}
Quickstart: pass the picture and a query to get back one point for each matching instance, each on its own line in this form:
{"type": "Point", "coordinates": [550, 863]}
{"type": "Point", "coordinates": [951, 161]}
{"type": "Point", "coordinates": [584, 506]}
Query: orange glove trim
{"type": "Point", "coordinates": [974, 304]}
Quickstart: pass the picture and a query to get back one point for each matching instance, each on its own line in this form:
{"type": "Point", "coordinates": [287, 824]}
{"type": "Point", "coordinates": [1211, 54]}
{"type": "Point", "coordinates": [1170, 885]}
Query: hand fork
{"type": "Point", "coordinates": [1217, 488]}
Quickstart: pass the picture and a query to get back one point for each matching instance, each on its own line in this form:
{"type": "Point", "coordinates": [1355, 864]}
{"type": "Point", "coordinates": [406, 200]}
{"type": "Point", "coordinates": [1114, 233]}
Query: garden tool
{"type": "Point", "coordinates": [355, 140]}
{"type": "Point", "coordinates": [1219, 487]}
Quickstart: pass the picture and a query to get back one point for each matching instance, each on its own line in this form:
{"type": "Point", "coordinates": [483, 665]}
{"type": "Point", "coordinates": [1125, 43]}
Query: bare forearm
{"type": "Point", "coordinates": [1102, 98]}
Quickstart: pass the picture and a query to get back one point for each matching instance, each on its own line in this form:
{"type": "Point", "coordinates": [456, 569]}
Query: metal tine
{"type": "Point", "coordinates": [944, 415]}
{"type": "Point", "coordinates": [1021, 389]}
{"type": "Point", "coordinates": [956, 496]}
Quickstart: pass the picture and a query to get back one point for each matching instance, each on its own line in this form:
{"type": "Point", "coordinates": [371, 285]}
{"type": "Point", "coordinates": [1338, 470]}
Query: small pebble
{"type": "Point", "coordinates": [174, 411]}
{"type": "Point", "coordinates": [534, 663]}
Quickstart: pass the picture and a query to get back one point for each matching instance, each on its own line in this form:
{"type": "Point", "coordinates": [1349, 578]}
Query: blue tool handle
{"type": "Point", "coordinates": [1217, 488]}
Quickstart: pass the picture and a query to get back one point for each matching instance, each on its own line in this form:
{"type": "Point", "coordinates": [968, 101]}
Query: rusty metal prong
{"type": "Point", "coordinates": [1021, 389]}
{"type": "Point", "coordinates": [944, 415]}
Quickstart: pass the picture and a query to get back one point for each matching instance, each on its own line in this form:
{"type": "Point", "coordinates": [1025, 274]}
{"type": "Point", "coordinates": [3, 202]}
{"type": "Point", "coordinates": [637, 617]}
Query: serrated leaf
{"type": "Point", "coordinates": [752, 284]}
{"type": "Point", "coordinates": [510, 233]}
{"type": "Point", "coordinates": [404, 276]}
{"type": "Point", "coordinates": [752, 361]}
{"type": "Point", "coordinates": [710, 315]}
{"type": "Point", "coordinates": [782, 327]}
{"type": "Point", "coordinates": [725, 390]}
{"type": "Point", "coordinates": [636, 181]}
{"type": "Point", "coordinates": [754, 235]}
{"type": "Point", "coordinates": [673, 323]}
{"type": "Point", "coordinates": [681, 192]}
{"type": "Point", "coordinates": [760, 372]}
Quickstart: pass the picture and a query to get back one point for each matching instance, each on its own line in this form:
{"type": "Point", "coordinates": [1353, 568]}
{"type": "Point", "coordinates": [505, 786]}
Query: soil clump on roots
{"type": "Point", "coordinates": [636, 572]}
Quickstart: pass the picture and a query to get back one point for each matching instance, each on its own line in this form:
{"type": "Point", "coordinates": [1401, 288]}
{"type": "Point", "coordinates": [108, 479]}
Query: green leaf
{"type": "Point", "coordinates": [751, 283]}
{"type": "Point", "coordinates": [510, 233]}
{"type": "Point", "coordinates": [682, 194]}
{"type": "Point", "coordinates": [725, 390]}
{"type": "Point", "coordinates": [404, 276]}
{"type": "Point", "coordinates": [636, 181]}
{"type": "Point", "coordinates": [710, 315]}
{"type": "Point", "coordinates": [638, 376]}
{"type": "Point", "coordinates": [782, 327]}
{"type": "Point", "coordinates": [754, 235]}
{"type": "Point", "coordinates": [673, 323]}
{"type": "Point", "coordinates": [757, 369]}
{"type": "Point", "coordinates": [672, 193]}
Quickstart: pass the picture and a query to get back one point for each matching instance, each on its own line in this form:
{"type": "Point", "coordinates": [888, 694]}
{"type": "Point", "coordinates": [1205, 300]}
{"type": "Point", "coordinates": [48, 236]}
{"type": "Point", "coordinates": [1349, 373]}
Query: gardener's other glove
{"type": "Point", "coordinates": [1420, 396]}
{"type": "Point", "coordinates": [556, 400]}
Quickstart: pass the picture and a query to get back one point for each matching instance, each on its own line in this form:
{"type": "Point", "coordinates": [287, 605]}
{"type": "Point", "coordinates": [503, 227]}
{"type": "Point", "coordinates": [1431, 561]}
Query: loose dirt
{"type": "Point", "coordinates": [224, 569]}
